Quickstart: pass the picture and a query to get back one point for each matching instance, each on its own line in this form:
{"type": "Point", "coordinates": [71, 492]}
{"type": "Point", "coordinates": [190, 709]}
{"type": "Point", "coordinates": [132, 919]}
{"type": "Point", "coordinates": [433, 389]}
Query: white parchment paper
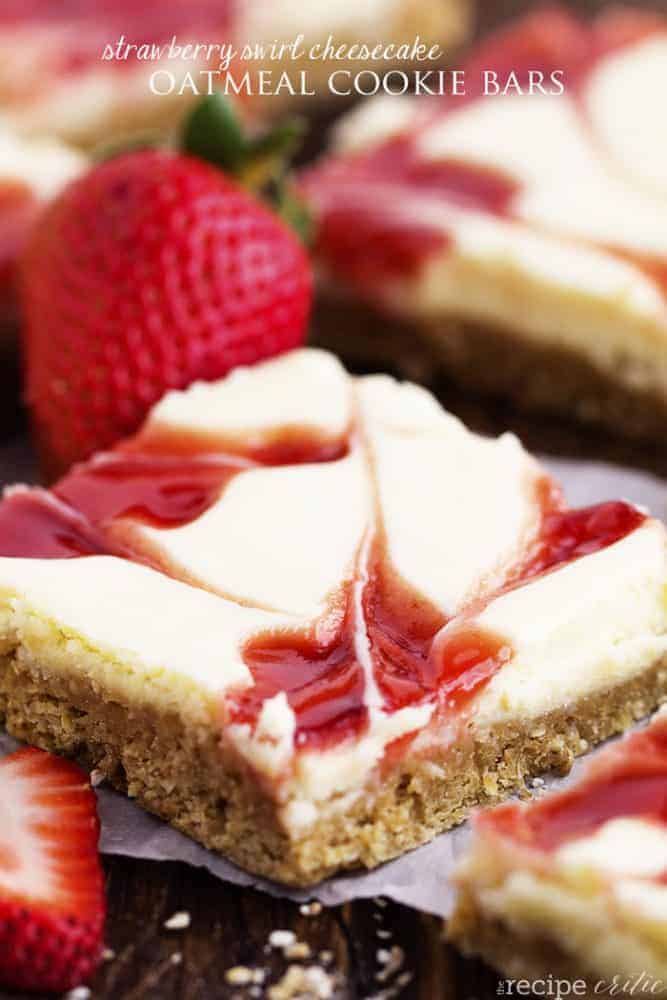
{"type": "Point", "coordinates": [420, 878]}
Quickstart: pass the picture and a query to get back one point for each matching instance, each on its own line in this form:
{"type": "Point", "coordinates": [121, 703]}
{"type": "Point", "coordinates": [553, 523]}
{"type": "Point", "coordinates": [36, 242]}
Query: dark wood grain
{"type": "Point", "coordinates": [230, 926]}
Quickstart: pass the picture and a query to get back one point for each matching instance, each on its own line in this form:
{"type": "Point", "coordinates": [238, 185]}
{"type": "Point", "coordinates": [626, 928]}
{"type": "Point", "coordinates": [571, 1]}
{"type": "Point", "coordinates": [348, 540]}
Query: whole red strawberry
{"type": "Point", "coordinates": [51, 883]}
{"type": "Point", "coordinates": [151, 271]}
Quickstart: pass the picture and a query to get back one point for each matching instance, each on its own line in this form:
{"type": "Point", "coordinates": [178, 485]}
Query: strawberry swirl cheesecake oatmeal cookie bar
{"type": "Point", "coordinates": [312, 620]}
{"type": "Point", "coordinates": [513, 236]}
{"type": "Point", "coordinates": [575, 884]}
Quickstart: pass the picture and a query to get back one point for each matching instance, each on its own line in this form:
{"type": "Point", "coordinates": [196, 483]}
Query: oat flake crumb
{"type": "Point", "coordinates": [239, 975]}
{"type": "Point", "coordinates": [395, 989]}
{"type": "Point", "coordinates": [311, 909]}
{"type": "Point", "coordinates": [178, 922]}
{"type": "Point", "coordinates": [303, 983]}
{"type": "Point", "coordinates": [297, 950]}
{"type": "Point", "coordinates": [281, 939]}
{"type": "Point", "coordinates": [391, 960]}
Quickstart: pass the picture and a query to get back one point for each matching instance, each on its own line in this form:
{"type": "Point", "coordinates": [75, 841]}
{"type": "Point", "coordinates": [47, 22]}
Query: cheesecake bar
{"type": "Point", "coordinates": [31, 173]}
{"type": "Point", "coordinates": [512, 235]}
{"type": "Point", "coordinates": [312, 620]}
{"type": "Point", "coordinates": [574, 885]}
{"type": "Point", "coordinates": [97, 59]}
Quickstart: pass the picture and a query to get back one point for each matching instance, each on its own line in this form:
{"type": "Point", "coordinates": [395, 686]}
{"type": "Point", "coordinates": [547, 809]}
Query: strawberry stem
{"type": "Point", "coordinates": [213, 132]}
{"type": "Point", "coordinates": [293, 210]}
{"type": "Point", "coordinates": [281, 141]}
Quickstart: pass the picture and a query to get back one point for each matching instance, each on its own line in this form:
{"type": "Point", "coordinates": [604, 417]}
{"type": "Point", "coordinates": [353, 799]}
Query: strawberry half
{"type": "Point", "coordinates": [51, 882]}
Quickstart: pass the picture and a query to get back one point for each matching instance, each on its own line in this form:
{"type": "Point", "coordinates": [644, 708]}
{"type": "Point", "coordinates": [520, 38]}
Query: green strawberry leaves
{"type": "Point", "coordinates": [213, 132]}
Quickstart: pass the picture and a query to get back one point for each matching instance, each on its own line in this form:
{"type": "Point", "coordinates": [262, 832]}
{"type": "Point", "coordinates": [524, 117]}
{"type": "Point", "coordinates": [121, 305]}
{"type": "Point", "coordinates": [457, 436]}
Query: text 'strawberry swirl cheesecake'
{"type": "Point", "coordinates": [31, 173]}
{"type": "Point", "coordinates": [517, 240]}
{"type": "Point", "coordinates": [54, 79]}
{"type": "Point", "coordinates": [575, 884]}
{"type": "Point", "coordinates": [311, 619]}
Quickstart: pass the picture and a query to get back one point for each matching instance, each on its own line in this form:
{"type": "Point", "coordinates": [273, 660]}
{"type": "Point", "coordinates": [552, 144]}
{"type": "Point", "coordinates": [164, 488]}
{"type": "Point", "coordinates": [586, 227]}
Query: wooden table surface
{"type": "Point", "coordinates": [231, 926]}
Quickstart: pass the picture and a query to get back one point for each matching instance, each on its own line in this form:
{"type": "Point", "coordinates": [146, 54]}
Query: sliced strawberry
{"type": "Point", "coordinates": [51, 883]}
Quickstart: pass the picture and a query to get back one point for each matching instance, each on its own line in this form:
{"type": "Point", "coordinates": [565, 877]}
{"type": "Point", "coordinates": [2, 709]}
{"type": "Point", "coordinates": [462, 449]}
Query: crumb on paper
{"type": "Point", "coordinates": [309, 982]}
{"type": "Point", "coordinates": [310, 909]}
{"type": "Point", "coordinates": [281, 939]}
{"type": "Point", "coordinates": [538, 782]}
{"type": "Point", "coordinates": [178, 922]}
